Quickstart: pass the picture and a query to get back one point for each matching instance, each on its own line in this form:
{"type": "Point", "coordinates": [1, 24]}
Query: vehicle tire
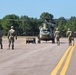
{"type": "Point", "coordinates": [39, 41]}
{"type": "Point", "coordinates": [34, 40]}
{"type": "Point", "coordinates": [53, 41]}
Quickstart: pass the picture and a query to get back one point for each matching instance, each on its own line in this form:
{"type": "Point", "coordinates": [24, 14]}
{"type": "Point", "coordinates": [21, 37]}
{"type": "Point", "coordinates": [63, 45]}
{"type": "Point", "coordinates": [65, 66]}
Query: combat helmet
{"type": "Point", "coordinates": [56, 29]}
{"type": "Point", "coordinates": [11, 27]}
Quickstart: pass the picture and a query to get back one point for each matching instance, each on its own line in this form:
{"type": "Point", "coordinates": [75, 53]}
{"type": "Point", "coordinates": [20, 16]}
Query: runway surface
{"type": "Point", "coordinates": [35, 59]}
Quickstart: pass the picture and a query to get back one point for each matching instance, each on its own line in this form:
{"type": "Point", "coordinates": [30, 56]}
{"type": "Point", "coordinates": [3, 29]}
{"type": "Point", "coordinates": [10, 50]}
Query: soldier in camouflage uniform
{"type": "Point", "coordinates": [57, 36]}
{"type": "Point", "coordinates": [1, 34]}
{"type": "Point", "coordinates": [11, 34]}
{"type": "Point", "coordinates": [70, 36]}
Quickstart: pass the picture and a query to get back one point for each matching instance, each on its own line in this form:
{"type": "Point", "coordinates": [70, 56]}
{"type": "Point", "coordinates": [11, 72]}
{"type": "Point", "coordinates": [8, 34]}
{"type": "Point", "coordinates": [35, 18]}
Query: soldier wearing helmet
{"type": "Point", "coordinates": [57, 36]}
{"type": "Point", "coordinates": [11, 34]}
{"type": "Point", "coordinates": [70, 36]}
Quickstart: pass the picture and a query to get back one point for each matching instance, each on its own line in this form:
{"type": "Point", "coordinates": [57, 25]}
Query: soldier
{"type": "Point", "coordinates": [70, 36]}
{"type": "Point", "coordinates": [11, 34]}
{"type": "Point", "coordinates": [57, 36]}
{"type": "Point", "coordinates": [1, 34]}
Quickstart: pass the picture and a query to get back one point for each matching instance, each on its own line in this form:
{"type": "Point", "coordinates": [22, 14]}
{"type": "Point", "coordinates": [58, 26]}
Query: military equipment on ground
{"type": "Point", "coordinates": [30, 40]}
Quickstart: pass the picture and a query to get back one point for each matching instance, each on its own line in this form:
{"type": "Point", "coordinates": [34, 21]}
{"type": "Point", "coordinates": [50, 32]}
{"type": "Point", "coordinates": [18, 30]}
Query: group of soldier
{"type": "Point", "coordinates": [11, 34]}
{"type": "Point", "coordinates": [69, 34]}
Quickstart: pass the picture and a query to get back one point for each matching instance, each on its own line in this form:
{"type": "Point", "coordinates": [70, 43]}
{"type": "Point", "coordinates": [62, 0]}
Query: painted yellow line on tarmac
{"type": "Point", "coordinates": [67, 62]}
{"type": "Point", "coordinates": [54, 72]}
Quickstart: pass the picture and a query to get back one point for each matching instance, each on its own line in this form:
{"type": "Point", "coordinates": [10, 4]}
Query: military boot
{"type": "Point", "coordinates": [12, 47]}
{"type": "Point", "coordinates": [1, 46]}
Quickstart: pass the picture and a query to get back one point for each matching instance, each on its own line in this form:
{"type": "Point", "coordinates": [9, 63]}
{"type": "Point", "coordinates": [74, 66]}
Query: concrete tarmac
{"type": "Point", "coordinates": [72, 65]}
{"type": "Point", "coordinates": [32, 59]}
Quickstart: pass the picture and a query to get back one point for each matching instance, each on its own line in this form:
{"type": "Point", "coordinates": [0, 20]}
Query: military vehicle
{"type": "Point", "coordinates": [46, 32]}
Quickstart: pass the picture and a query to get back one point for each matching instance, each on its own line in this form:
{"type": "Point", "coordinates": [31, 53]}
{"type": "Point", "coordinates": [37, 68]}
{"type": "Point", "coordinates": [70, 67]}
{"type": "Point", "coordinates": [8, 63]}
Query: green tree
{"type": "Point", "coordinates": [46, 15]}
{"type": "Point", "coordinates": [61, 24]}
{"type": "Point", "coordinates": [9, 20]}
{"type": "Point", "coordinates": [71, 23]}
{"type": "Point", "coordinates": [29, 26]}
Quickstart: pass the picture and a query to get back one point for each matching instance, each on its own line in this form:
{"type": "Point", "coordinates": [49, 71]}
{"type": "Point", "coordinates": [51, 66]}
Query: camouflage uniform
{"type": "Point", "coordinates": [1, 34]}
{"type": "Point", "coordinates": [11, 34]}
{"type": "Point", "coordinates": [70, 36]}
{"type": "Point", "coordinates": [57, 36]}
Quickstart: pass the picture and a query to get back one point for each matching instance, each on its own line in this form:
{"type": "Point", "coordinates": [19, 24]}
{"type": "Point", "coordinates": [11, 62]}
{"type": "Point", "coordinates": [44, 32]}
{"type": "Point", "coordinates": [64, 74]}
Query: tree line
{"type": "Point", "coordinates": [28, 26]}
